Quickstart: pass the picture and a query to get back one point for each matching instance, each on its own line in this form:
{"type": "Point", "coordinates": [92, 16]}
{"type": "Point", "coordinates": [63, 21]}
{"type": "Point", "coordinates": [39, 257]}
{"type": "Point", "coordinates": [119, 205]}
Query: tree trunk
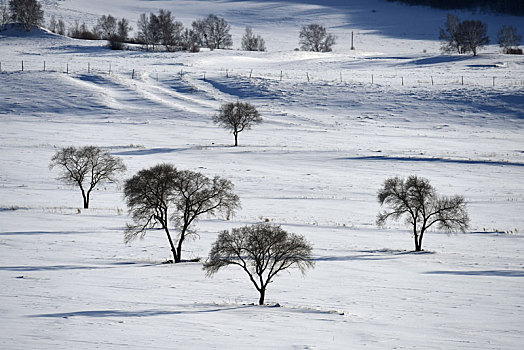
{"type": "Point", "coordinates": [262, 296]}
{"type": "Point", "coordinates": [419, 243]}
{"type": "Point", "coordinates": [85, 198]}
{"type": "Point", "coordinates": [173, 250]}
{"type": "Point", "coordinates": [236, 138]}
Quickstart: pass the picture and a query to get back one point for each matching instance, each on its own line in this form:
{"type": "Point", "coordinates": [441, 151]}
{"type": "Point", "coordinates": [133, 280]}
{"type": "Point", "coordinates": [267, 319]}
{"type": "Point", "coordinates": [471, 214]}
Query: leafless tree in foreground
{"type": "Point", "coordinates": [314, 37]}
{"type": "Point", "coordinates": [86, 167]}
{"type": "Point", "coordinates": [262, 251]}
{"type": "Point", "coordinates": [237, 117]}
{"type": "Point", "coordinates": [415, 199]}
{"type": "Point", "coordinates": [162, 194]}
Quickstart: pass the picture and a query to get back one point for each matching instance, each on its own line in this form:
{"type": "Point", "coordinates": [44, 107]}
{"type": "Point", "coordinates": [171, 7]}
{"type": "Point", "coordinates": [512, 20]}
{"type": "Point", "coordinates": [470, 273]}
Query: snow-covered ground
{"type": "Point", "coordinates": [314, 166]}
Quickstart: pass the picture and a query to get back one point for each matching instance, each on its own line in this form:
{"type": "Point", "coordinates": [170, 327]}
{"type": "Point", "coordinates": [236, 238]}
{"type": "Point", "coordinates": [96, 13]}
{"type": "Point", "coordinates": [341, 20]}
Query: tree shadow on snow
{"type": "Point", "coordinates": [496, 273]}
{"type": "Point", "coordinates": [439, 160]}
{"type": "Point", "coordinates": [49, 268]}
{"type": "Point", "coordinates": [142, 313]}
{"type": "Point", "coordinates": [33, 233]}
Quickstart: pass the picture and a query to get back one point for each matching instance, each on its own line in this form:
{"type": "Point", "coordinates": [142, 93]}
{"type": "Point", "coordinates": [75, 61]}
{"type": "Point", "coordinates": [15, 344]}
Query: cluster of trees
{"type": "Point", "coordinates": [27, 12]}
{"type": "Point", "coordinates": [172, 200]}
{"type": "Point", "coordinates": [164, 197]}
{"type": "Point", "coordinates": [154, 30]}
{"type": "Point", "coordinates": [511, 7]}
{"type": "Point", "coordinates": [470, 36]}
{"type": "Point", "coordinates": [509, 40]}
{"type": "Point", "coordinates": [314, 37]}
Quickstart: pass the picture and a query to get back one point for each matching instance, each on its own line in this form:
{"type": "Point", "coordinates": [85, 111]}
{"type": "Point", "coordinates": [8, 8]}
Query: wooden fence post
{"type": "Point", "coordinates": [22, 66]}
{"type": "Point", "coordinates": [250, 73]}
{"type": "Point", "coordinates": [67, 68]}
{"type": "Point", "coordinates": [307, 74]}
{"type": "Point", "coordinates": [431, 80]}
{"type": "Point", "coordinates": [133, 74]}
{"type": "Point", "coordinates": [44, 66]}
{"type": "Point", "coordinates": [88, 68]}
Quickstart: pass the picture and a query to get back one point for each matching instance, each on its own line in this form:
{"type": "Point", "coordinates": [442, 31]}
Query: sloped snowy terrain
{"type": "Point", "coordinates": [314, 166]}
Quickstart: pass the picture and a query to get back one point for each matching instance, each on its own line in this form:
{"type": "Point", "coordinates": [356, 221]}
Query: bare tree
{"type": "Point", "coordinates": [508, 38]}
{"type": "Point", "coordinates": [472, 36]}
{"type": "Point", "coordinates": [52, 24]}
{"type": "Point", "coordinates": [149, 196]}
{"type": "Point", "coordinates": [122, 29]}
{"type": "Point", "coordinates": [314, 37]}
{"type": "Point", "coordinates": [449, 35]}
{"type": "Point", "coordinates": [86, 167]}
{"type": "Point", "coordinates": [237, 117]}
{"type": "Point", "coordinates": [4, 15]}
{"type": "Point", "coordinates": [162, 194]}
{"type": "Point", "coordinates": [213, 32]}
{"type": "Point", "coordinates": [415, 199]}
{"type": "Point", "coordinates": [262, 251]}
{"type": "Point", "coordinates": [170, 30]}
{"type": "Point", "coordinates": [106, 27]}
{"type": "Point", "coordinates": [27, 12]}
{"type": "Point", "coordinates": [60, 27]}
{"type": "Point", "coordinates": [463, 37]}
{"type": "Point", "coordinates": [250, 42]}
{"type": "Point", "coordinates": [190, 41]}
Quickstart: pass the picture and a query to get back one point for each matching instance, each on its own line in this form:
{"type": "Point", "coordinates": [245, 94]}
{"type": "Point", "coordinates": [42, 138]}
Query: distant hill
{"type": "Point", "coordinates": [514, 7]}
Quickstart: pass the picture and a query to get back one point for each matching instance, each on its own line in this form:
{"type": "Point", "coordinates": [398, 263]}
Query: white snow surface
{"type": "Point", "coordinates": [314, 166]}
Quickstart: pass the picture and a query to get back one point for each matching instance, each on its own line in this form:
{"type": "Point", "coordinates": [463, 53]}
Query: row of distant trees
{"type": "Point", "coordinates": [471, 35]}
{"type": "Point", "coordinates": [157, 29]}
{"type": "Point", "coordinates": [162, 29]}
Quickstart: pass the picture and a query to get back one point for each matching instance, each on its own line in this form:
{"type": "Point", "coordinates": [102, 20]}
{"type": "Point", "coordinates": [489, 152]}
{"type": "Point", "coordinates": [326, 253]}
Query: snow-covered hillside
{"type": "Point", "coordinates": [314, 166]}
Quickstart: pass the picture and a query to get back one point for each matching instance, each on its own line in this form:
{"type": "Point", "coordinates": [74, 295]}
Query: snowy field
{"type": "Point", "coordinates": [314, 166]}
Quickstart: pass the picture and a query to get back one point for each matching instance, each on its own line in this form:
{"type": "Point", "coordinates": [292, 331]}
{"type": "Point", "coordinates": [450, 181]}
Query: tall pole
{"type": "Point", "coordinates": [352, 47]}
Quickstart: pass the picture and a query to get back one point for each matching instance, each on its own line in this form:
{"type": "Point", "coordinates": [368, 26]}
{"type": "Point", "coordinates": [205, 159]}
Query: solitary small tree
{"type": "Point", "coordinates": [250, 42]}
{"type": "Point", "coordinates": [508, 38]}
{"type": "Point", "coordinates": [86, 167]}
{"type": "Point", "coordinates": [314, 37]}
{"type": "Point", "coordinates": [415, 199]}
{"type": "Point", "coordinates": [237, 117]}
{"type": "Point", "coordinates": [262, 251]}
{"type": "Point", "coordinates": [27, 12]}
{"type": "Point", "coordinates": [162, 194]}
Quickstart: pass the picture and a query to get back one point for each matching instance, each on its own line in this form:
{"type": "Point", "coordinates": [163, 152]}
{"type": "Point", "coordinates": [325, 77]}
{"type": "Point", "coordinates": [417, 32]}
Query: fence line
{"type": "Point", "coordinates": [356, 77]}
